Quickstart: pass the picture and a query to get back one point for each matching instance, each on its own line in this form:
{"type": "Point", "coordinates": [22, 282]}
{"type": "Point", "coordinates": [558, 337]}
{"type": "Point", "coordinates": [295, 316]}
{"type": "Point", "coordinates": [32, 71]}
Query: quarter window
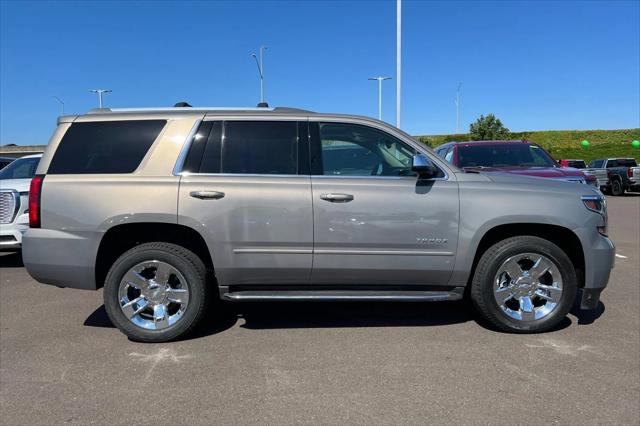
{"type": "Point", "coordinates": [105, 146]}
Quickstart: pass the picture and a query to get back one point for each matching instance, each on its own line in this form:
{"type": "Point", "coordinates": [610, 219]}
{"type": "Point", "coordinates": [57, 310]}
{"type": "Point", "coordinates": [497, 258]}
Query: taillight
{"type": "Point", "coordinates": [35, 194]}
{"type": "Point", "coordinates": [630, 172]}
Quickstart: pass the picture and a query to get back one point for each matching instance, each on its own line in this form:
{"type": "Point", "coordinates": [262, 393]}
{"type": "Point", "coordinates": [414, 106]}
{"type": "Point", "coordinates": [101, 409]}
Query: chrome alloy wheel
{"type": "Point", "coordinates": [528, 286]}
{"type": "Point", "coordinates": [153, 295]}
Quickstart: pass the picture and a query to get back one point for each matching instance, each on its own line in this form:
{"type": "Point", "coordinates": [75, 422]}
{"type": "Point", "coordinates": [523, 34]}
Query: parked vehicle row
{"type": "Point", "coordinates": [616, 175]}
{"type": "Point", "coordinates": [518, 157]}
{"type": "Point", "coordinates": [168, 209]}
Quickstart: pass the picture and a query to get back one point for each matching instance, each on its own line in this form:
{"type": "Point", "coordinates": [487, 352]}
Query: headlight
{"type": "Point", "coordinates": [597, 204]}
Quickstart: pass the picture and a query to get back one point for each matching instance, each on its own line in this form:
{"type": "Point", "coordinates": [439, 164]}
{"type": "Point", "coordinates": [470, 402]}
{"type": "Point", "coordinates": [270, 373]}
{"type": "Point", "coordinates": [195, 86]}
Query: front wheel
{"type": "Point", "coordinates": [156, 292]}
{"type": "Point", "coordinates": [524, 285]}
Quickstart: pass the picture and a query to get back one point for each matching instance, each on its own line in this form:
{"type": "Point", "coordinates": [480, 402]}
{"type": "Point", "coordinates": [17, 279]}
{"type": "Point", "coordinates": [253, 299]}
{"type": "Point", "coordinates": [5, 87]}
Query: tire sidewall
{"type": "Point", "coordinates": [530, 245]}
{"type": "Point", "coordinates": [128, 260]}
{"type": "Point", "coordinates": [616, 188]}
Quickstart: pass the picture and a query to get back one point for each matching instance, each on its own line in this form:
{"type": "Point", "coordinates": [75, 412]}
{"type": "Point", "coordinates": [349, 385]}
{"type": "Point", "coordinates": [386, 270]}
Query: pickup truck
{"type": "Point", "coordinates": [616, 175]}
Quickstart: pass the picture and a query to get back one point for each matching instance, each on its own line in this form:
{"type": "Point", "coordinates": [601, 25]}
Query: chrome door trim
{"type": "Point", "coordinates": [385, 252]}
{"type": "Point", "coordinates": [272, 251]}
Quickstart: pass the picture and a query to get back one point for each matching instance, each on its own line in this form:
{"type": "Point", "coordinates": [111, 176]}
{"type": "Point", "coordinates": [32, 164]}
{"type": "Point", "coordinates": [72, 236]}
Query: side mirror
{"type": "Point", "coordinates": [422, 165]}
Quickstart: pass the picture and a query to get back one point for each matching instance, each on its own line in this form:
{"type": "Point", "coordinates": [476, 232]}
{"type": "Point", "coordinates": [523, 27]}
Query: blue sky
{"type": "Point", "coordinates": [536, 65]}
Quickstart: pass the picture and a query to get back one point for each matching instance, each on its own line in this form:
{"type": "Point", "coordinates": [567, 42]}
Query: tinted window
{"type": "Point", "coordinates": [260, 147]}
{"type": "Point", "coordinates": [22, 168]}
{"type": "Point", "coordinates": [105, 146]}
{"type": "Point", "coordinates": [354, 150]}
{"type": "Point", "coordinates": [595, 164]}
{"type": "Point", "coordinates": [622, 162]}
{"type": "Point", "coordinates": [503, 155]}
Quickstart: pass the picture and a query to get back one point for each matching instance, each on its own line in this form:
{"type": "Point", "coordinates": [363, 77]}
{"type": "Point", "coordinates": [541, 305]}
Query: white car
{"type": "Point", "coordinates": [14, 200]}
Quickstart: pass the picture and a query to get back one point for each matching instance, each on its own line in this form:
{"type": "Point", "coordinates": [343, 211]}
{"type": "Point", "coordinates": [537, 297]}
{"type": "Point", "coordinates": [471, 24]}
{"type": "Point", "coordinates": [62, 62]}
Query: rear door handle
{"type": "Point", "coordinates": [207, 195]}
{"type": "Point", "coordinates": [337, 198]}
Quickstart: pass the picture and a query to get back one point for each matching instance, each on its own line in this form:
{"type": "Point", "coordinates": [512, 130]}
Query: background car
{"type": "Point", "coordinates": [520, 157]}
{"type": "Point", "coordinates": [616, 175]}
{"type": "Point", "coordinates": [576, 164]}
{"type": "Point", "coordinates": [14, 200]}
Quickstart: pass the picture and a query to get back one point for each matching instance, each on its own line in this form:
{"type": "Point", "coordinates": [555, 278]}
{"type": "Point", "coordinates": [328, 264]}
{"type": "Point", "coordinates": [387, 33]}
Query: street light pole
{"type": "Point", "coordinates": [457, 101]}
{"type": "Point", "coordinates": [61, 103]}
{"type": "Point", "coordinates": [380, 79]}
{"type": "Point", "coordinates": [398, 58]}
{"type": "Point", "coordinates": [260, 65]}
{"type": "Point", "coordinates": [100, 92]}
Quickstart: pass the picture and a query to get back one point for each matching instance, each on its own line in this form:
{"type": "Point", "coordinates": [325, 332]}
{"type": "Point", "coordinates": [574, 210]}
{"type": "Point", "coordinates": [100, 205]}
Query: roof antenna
{"type": "Point", "coordinates": [182, 105]}
{"type": "Point", "coordinates": [263, 105]}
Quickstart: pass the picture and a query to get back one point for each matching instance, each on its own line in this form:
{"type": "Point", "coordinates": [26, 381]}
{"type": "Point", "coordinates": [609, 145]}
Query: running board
{"type": "Point", "coordinates": [455, 293]}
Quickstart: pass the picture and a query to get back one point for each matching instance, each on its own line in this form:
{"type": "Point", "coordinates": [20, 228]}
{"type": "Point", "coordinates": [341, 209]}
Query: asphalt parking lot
{"type": "Point", "coordinates": [61, 360]}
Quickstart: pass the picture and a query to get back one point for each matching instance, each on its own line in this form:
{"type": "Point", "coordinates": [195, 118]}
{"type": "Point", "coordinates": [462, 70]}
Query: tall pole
{"type": "Point", "coordinates": [458, 108]}
{"type": "Point", "coordinates": [260, 64]}
{"type": "Point", "coordinates": [380, 80]}
{"type": "Point", "coordinates": [100, 92]}
{"type": "Point", "coordinates": [398, 58]}
{"type": "Point", "coordinates": [61, 103]}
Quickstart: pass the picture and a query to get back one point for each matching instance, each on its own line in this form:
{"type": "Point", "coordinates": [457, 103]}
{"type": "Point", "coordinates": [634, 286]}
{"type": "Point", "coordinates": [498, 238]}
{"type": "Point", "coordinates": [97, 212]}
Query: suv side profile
{"type": "Point", "coordinates": [169, 209]}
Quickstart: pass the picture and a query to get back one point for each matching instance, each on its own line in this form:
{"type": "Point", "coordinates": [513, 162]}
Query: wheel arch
{"type": "Point", "coordinates": [121, 238]}
{"type": "Point", "coordinates": [561, 236]}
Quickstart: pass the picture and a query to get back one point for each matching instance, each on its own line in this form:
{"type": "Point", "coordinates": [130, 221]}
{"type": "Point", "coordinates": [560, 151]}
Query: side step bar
{"type": "Point", "coordinates": [455, 293]}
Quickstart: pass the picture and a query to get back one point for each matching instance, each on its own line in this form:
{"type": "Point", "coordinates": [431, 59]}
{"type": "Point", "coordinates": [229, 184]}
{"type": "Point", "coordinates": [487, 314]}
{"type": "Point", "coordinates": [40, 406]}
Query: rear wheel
{"type": "Point", "coordinates": [616, 187]}
{"type": "Point", "coordinates": [156, 292]}
{"type": "Point", "coordinates": [524, 285]}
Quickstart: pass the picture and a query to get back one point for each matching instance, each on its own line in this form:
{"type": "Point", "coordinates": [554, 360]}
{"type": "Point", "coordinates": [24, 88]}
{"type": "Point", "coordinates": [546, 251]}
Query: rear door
{"type": "Point", "coordinates": [246, 189]}
{"type": "Point", "coordinates": [374, 221]}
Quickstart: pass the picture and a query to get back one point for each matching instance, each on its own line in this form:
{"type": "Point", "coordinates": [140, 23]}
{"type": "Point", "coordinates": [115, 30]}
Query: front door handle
{"type": "Point", "coordinates": [207, 195]}
{"type": "Point", "coordinates": [337, 198]}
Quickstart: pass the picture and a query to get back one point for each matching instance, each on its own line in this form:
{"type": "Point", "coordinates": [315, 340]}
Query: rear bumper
{"type": "Point", "coordinates": [60, 258]}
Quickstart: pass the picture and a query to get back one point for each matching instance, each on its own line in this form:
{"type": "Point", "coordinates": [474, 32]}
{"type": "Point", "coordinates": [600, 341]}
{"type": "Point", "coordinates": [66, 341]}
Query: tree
{"type": "Point", "coordinates": [488, 128]}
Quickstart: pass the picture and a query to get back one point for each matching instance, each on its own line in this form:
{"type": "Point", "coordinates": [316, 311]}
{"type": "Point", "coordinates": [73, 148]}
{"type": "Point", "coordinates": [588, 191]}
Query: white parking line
{"type": "Point", "coordinates": [619, 256]}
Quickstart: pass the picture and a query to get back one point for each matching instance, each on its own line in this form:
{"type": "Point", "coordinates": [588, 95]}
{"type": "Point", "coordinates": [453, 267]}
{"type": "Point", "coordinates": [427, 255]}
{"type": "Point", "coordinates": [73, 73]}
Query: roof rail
{"type": "Point", "coordinates": [193, 109]}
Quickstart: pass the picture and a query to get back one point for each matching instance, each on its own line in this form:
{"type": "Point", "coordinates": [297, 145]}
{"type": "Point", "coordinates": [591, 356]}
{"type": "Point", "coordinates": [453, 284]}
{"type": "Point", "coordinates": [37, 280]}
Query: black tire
{"type": "Point", "coordinates": [186, 262]}
{"type": "Point", "coordinates": [482, 294]}
{"type": "Point", "coordinates": [616, 187]}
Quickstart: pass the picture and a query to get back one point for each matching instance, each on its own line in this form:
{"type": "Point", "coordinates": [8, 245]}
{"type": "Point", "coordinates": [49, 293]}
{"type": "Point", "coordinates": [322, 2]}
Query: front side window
{"type": "Point", "coordinates": [105, 146]}
{"type": "Point", "coordinates": [355, 150]}
{"type": "Point", "coordinates": [596, 164]}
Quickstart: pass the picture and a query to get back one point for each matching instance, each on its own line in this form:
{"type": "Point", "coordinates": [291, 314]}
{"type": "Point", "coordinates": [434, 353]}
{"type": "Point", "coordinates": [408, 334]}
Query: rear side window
{"type": "Point", "coordinates": [248, 147]}
{"type": "Point", "coordinates": [105, 147]}
{"type": "Point", "coordinates": [260, 147]}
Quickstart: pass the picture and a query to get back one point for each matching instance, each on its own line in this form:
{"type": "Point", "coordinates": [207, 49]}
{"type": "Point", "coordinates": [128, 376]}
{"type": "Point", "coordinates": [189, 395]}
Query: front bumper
{"type": "Point", "coordinates": [599, 260]}
{"type": "Point", "coordinates": [11, 233]}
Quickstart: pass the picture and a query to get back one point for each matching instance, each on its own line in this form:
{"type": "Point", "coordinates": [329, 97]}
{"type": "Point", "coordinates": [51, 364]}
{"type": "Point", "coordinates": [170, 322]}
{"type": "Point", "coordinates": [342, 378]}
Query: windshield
{"type": "Point", "coordinates": [22, 168]}
{"type": "Point", "coordinates": [504, 155]}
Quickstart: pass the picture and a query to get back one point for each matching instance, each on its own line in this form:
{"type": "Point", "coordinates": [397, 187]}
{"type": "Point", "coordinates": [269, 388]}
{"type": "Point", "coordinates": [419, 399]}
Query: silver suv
{"type": "Point", "coordinates": [169, 209]}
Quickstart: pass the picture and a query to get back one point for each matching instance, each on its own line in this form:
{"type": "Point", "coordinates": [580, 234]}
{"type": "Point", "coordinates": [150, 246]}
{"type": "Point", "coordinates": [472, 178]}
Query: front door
{"type": "Point", "coordinates": [244, 190]}
{"type": "Point", "coordinates": [375, 222]}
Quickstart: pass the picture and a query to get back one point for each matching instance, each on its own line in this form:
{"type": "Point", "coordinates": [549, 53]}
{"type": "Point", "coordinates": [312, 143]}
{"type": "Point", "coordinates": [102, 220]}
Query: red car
{"type": "Point", "coordinates": [518, 157]}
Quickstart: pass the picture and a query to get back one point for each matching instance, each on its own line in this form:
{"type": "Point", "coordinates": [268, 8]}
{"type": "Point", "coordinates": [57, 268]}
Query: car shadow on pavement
{"type": "Point", "coordinates": [282, 315]}
{"type": "Point", "coordinates": [11, 260]}
{"type": "Point", "coordinates": [584, 316]}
